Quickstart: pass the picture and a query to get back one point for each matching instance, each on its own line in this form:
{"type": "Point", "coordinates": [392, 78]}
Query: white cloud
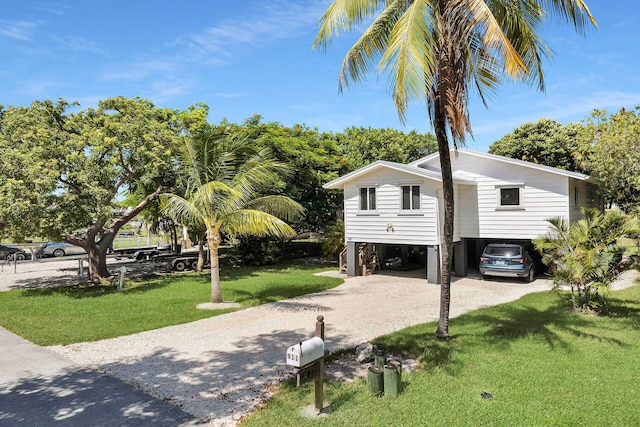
{"type": "Point", "coordinates": [139, 70]}
{"type": "Point", "coordinates": [230, 95]}
{"type": "Point", "coordinates": [80, 44]}
{"type": "Point", "coordinates": [52, 8]}
{"type": "Point", "coordinates": [271, 21]}
{"type": "Point", "coordinates": [19, 30]}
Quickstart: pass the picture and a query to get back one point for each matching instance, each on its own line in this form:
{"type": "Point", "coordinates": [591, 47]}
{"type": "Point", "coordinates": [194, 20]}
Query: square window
{"type": "Point", "coordinates": [510, 196]}
{"type": "Point", "coordinates": [367, 198]}
{"type": "Point", "coordinates": [410, 197]}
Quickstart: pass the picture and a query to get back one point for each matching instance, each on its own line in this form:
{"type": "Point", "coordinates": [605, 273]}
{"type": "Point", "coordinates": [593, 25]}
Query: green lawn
{"type": "Point", "coordinates": [542, 366]}
{"type": "Point", "coordinates": [92, 312]}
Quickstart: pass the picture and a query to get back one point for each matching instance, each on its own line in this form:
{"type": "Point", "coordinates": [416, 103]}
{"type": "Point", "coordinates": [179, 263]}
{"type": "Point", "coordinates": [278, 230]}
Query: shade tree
{"type": "Point", "coordinates": [65, 171]}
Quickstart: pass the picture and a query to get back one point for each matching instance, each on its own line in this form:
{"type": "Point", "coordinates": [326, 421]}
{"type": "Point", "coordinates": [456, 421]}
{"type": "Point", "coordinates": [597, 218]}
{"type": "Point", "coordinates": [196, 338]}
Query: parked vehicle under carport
{"type": "Point", "coordinates": [507, 260]}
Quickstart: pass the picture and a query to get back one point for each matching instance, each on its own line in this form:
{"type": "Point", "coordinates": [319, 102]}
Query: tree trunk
{"type": "Point", "coordinates": [214, 241]}
{"type": "Point", "coordinates": [97, 251]}
{"type": "Point", "coordinates": [201, 238]}
{"type": "Point", "coordinates": [447, 236]}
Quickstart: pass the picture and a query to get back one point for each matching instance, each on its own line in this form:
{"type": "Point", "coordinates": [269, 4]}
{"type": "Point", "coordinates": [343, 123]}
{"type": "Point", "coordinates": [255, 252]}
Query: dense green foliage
{"type": "Point", "coordinates": [92, 312]}
{"type": "Point", "coordinates": [546, 142]}
{"type": "Point", "coordinates": [585, 256]}
{"type": "Point", "coordinates": [70, 175]}
{"type": "Point", "coordinates": [61, 172]}
{"type": "Point", "coordinates": [610, 146]}
{"type": "Point", "coordinates": [542, 366]}
{"type": "Point", "coordinates": [366, 145]}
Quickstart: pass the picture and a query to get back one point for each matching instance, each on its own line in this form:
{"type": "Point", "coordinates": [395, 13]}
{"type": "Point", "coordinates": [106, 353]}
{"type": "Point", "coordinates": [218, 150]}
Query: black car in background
{"type": "Point", "coordinates": [8, 253]}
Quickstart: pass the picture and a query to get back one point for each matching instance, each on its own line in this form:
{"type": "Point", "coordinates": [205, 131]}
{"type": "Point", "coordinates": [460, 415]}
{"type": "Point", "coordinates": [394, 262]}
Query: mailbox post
{"type": "Point", "coordinates": [319, 394]}
{"type": "Point", "coordinates": [308, 357]}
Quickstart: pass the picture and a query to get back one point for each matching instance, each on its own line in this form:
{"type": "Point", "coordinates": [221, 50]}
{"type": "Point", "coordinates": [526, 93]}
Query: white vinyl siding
{"type": "Point", "coordinates": [389, 223]}
{"type": "Point", "coordinates": [543, 195]}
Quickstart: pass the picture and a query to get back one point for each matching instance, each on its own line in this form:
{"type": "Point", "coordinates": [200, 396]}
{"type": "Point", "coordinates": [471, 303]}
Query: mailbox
{"type": "Point", "coordinates": [306, 352]}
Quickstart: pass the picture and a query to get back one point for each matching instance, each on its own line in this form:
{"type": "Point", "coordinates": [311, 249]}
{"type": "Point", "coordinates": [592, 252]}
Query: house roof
{"type": "Point", "coordinates": [383, 164]}
{"type": "Point", "coordinates": [575, 175]}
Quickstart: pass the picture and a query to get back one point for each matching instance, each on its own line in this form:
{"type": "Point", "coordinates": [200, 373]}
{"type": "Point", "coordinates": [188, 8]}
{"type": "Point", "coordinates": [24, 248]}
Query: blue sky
{"type": "Point", "coordinates": [255, 57]}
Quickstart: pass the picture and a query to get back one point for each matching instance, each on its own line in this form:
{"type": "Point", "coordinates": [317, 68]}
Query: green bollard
{"type": "Point", "coordinates": [392, 378]}
{"type": "Point", "coordinates": [379, 359]}
{"type": "Point", "coordinates": [375, 381]}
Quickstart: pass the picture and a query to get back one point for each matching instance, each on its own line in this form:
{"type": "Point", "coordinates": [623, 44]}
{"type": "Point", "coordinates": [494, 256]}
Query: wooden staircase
{"type": "Point", "coordinates": [368, 259]}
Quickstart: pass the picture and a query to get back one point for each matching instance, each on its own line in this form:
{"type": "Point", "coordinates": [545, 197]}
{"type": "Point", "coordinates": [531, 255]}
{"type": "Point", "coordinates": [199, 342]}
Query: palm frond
{"type": "Point", "coordinates": [215, 196]}
{"type": "Point", "coordinates": [181, 209]}
{"type": "Point", "coordinates": [574, 12]}
{"type": "Point", "coordinates": [366, 51]}
{"type": "Point", "coordinates": [280, 206]}
{"type": "Point", "coordinates": [409, 60]}
{"type": "Point", "coordinates": [255, 223]}
{"type": "Point", "coordinates": [492, 21]}
{"type": "Point", "coordinates": [343, 15]}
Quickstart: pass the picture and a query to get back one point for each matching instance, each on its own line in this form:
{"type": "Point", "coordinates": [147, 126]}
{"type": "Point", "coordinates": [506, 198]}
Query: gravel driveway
{"type": "Point", "coordinates": [219, 369]}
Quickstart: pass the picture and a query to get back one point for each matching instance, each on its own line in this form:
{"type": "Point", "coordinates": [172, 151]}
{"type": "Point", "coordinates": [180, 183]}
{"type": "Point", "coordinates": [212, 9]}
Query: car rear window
{"type": "Point", "coordinates": [502, 250]}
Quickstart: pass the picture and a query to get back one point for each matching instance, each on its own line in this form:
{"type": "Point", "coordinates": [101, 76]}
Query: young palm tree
{"type": "Point", "coordinates": [224, 175]}
{"type": "Point", "coordinates": [434, 50]}
{"type": "Point", "coordinates": [585, 257]}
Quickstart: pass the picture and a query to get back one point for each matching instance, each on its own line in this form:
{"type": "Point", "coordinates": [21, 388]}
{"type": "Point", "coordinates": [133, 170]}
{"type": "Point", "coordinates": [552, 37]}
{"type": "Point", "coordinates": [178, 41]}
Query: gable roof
{"type": "Point", "coordinates": [576, 175]}
{"type": "Point", "coordinates": [383, 164]}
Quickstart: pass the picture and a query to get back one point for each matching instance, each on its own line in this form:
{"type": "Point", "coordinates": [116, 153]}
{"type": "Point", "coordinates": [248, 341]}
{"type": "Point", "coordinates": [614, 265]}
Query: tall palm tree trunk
{"type": "Point", "coordinates": [447, 235]}
{"type": "Point", "coordinates": [214, 245]}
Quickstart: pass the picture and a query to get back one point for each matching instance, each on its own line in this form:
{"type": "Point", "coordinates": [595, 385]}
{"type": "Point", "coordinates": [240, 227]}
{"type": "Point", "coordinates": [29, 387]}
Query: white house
{"type": "Point", "coordinates": [399, 207]}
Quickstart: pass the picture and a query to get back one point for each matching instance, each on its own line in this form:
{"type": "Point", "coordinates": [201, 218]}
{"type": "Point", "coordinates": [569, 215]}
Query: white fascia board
{"type": "Point", "coordinates": [557, 171]}
{"type": "Point", "coordinates": [412, 170]}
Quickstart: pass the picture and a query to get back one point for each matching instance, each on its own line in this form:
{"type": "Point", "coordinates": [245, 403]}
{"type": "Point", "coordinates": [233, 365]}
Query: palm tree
{"type": "Point", "coordinates": [223, 175]}
{"type": "Point", "coordinates": [435, 50]}
{"type": "Point", "coordinates": [585, 256]}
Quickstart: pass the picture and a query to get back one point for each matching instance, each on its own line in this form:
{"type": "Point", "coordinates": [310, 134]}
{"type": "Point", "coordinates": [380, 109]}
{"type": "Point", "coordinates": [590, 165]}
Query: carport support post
{"type": "Point", "coordinates": [352, 259]}
{"type": "Point", "coordinates": [433, 264]}
{"type": "Point", "coordinates": [319, 392]}
{"type": "Point", "coordinates": [460, 258]}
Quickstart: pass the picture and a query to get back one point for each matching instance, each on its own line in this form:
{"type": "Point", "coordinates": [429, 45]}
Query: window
{"type": "Point", "coordinates": [410, 197]}
{"type": "Point", "coordinates": [510, 196]}
{"type": "Point", "coordinates": [368, 199]}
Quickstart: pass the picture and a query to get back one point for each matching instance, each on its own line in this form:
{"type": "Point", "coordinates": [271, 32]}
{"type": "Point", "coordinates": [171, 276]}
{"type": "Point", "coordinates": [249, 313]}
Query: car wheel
{"type": "Point", "coordinates": [58, 253]}
{"type": "Point", "coordinates": [485, 277]}
{"type": "Point", "coordinates": [21, 257]}
{"type": "Point", "coordinates": [179, 265]}
{"type": "Point", "coordinates": [531, 275]}
{"type": "Point", "coordinates": [194, 265]}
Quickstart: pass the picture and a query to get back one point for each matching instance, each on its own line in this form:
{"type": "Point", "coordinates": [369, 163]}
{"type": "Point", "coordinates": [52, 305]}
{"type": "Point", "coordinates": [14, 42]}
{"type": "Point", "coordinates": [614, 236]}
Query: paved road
{"type": "Point", "coordinates": [40, 388]}
{"type": "Point", "coordinates": [50, 272]}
